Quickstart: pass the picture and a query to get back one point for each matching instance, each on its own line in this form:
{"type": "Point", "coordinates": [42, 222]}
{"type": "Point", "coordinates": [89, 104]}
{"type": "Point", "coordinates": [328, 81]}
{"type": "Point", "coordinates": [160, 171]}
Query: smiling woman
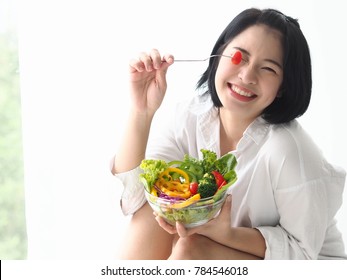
{"type": "Point", "coordinates": [74, 84]}
{"type": "Point", "coordinates": [279, 166]}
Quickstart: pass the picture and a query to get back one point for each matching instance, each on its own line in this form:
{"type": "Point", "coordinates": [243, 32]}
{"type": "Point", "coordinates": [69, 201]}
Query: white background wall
{"type": "Point", "coordinates": [74, 61]}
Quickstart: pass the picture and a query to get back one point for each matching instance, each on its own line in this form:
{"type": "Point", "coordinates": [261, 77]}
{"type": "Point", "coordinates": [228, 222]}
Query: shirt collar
{"type": "Point", "coordinates": [257, 130]}
{"type": "Point", "coordinates": [209, 124]}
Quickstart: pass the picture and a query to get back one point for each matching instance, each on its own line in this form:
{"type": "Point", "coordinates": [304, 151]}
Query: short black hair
{"type": "Point", "coordinates": [295, 91]}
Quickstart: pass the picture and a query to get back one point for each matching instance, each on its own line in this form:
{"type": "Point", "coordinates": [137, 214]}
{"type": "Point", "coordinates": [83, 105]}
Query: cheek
{"type": "Point", "coordinates": [218, 80]}
{"type": "Point", "coordinates": [272, 93]}
{"type": "Point", "coordinates": [223, 74]}
{"type": "Point", "coordinates": [270, 99]}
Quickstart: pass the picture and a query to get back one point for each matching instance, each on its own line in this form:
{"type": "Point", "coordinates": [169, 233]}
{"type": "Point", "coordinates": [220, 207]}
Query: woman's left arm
{"type": "Point", "coordinates": [248, 240]}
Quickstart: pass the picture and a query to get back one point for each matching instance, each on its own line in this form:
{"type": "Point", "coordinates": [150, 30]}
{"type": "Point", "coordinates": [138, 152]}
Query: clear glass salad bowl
{"type": "Point", "coordinates": [196, 214]}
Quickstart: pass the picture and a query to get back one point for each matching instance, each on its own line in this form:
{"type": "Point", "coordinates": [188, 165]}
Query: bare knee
{"type": "Point", "coordinates": [142, 237]}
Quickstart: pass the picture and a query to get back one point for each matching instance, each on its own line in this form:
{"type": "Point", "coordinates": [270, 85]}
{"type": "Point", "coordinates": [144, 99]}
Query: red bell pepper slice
{"type": "Point", "coordinates": [220, 181]}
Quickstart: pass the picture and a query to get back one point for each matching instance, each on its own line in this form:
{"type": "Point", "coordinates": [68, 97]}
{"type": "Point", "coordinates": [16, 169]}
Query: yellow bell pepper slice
{"type": "Point", "coordinates": [187, 202]}
{"type": "Point", "coordinates": [154, 192]}
{"type": "Point", "coordinates": [174, 187]}
{"type": "Point", "coordinates": [167, 171]}
{"type": "Point", "coordinates": [175, 193]}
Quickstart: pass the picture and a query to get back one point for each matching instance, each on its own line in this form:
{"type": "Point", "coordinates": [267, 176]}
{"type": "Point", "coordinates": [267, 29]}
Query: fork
{"type": "Point", "coordinates": [200, 60]}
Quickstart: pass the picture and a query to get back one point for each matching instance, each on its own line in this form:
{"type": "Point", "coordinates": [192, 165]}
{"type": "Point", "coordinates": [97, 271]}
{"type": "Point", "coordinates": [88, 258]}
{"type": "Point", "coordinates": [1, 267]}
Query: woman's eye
{"type": "Point", "coordinates": [269, 69]}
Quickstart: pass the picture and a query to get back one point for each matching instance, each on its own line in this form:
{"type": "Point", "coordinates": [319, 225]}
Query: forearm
{"type": "Point", "coordinates": [244, 239]}
{"type": "Point", "coordinates": [248, 240]}
{"type": "Point", "coordinates": [147, 90]}
{"type": "Point", "coordinates": [133, 146]}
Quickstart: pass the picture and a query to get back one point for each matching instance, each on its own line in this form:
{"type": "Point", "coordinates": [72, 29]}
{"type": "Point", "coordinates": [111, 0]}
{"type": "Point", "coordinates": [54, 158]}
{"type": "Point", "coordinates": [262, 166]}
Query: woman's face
{"type": "Point", "coordinates": [249, 87]}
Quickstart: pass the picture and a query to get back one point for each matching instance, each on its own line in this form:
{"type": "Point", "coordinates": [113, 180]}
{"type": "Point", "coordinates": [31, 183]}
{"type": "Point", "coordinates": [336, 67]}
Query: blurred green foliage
{"type": "Point", "coordinates": [13, 239]}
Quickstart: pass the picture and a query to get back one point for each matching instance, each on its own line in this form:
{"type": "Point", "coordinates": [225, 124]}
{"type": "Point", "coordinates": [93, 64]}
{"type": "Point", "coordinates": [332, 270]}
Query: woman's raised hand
{"type": "Point", "coordinates": [148, 81]}
{"type": "Point", "coordinates": [147, 90]}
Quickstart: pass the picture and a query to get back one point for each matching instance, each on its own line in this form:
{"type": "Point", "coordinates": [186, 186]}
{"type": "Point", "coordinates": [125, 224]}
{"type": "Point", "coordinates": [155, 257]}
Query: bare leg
{"type": "Point", "coordinates": [198, 247]}
{"type": "Point", "coordinates": [145, 239]}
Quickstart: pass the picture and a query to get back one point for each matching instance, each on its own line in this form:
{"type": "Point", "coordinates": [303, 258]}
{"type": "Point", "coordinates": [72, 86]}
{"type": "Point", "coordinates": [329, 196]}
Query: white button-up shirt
{"type": "Point", "coordinates": [285, 187]}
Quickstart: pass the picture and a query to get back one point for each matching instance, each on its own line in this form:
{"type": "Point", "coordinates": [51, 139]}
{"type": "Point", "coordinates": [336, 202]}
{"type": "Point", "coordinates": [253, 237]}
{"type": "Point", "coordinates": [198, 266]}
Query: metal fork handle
{"type": "Point", "coordinates": [199, 60]}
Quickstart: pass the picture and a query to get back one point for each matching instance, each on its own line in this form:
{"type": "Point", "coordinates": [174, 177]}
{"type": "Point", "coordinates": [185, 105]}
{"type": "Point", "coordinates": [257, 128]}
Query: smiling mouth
{"type": "Point", "coordinates": [241, 93]}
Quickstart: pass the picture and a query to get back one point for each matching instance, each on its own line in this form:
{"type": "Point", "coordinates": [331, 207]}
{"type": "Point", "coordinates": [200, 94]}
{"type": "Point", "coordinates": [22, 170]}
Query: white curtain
{"type": "Point", "coordinates": [73, 68]}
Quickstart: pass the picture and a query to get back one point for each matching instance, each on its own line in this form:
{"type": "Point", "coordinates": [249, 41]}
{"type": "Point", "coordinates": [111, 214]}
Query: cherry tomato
{"type": "Point", "coordinates": [236, 58]}
{"type": "Point", "coordinates": [193, 188]}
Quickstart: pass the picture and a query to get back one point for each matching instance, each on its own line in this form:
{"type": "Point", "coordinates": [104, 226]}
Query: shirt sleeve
{"type": "Point", "coordinates": [307, 192]}
{"type": "Point", "coordinates": [306, 212]}
{"type": "Point", "coordinates": [133, 197]}
{"type": "Point", "coordinates": [161, 145]}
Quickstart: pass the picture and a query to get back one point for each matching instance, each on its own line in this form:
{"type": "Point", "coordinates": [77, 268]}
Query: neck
{"type": "Point", "coordinates": [232, 127]}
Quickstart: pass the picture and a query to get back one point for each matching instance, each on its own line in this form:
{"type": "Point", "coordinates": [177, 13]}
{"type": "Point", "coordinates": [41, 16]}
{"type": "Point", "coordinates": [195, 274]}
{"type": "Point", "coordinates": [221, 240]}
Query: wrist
{"type": "Point", "coordinates": [141, 115]}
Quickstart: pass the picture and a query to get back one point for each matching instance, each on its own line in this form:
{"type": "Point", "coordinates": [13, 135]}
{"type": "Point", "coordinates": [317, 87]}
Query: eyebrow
{"type": "Point", "coordinates": [267, 59]}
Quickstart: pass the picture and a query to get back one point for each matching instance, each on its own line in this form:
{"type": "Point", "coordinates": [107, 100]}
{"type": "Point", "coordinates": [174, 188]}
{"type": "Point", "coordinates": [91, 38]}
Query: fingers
{"type": "Point", "coordinates": [151, 61]}
{"type": "Point", "coordinates": [226, 208]}
{"type": "Point", "coordinates": [183, 232]}
{"type": "Point", "coordinates": [179, 228]}
{"type": "Point", "coordinates": [167, 227]}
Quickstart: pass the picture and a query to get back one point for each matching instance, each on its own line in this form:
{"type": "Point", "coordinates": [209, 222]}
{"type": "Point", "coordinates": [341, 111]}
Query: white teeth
{"type": "Point", "coordinates": [241, 92]}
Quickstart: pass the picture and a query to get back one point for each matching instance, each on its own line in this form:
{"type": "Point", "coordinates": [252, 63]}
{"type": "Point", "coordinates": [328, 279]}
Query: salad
{"type": "Point", "coordinates": [189, 190]}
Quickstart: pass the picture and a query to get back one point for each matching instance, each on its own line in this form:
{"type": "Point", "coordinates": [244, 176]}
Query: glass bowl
{"type": "Point", "coordinates": [196, 214]}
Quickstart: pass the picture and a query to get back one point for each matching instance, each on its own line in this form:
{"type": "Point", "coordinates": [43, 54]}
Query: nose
{"type": "Point", "coordinates": [247, 74]}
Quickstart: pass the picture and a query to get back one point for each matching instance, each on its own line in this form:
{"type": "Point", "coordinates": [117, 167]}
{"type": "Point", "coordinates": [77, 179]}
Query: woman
{"type": "Point", "coordinates": [286, 196]}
